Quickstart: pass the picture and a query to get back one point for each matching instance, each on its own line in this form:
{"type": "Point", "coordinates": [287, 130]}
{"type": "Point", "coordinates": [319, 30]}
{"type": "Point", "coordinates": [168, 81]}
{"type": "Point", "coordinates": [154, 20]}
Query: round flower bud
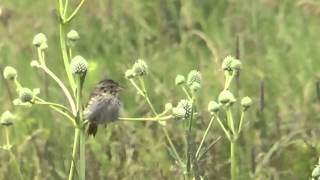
{"type": "Point", "coordinates": [25, 95]}
{"type": "Point", "coordinates": [226, 97]}
{"type": "Point", "coordinates": [73, 35]}
{"type": "Point", "coordinates": [79, 65]}
{"type": "Point", "coordinates": [168, 107]}
{"type": "Point", "coordinates": [140, 67]}
{"type": "Point", "coordinates": [316, 172]}
{"type": "Point", "coordinates": [129, 74]}
{"type": "Point", "coordinates": [227, 63]}
{"type": "Point", "coordinates": [213, 107]}
{"type": "Point", "coordinates": [246, 102]}
{"type": "Point", "coordinates": [9, 73]}
{"type": "Point", "coordinates": [34, 63]}
{"type": "Point", "coordinates": [180, 79]}
{"type": "Point", "coordinates": [7, 118]}
{"type": "Point", "coordinates": [235, 65]}
{"type": "Point", "coordinates": [195, 87]}
{"type": "Point", "coordinates": [39, 39]}
{"type": "Point", "coordinates": [194, 76]}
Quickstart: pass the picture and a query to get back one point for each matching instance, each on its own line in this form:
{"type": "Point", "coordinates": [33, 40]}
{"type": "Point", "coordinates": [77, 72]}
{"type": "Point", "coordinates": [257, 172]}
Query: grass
{"type": "Point", "coordinates": [278, 44]}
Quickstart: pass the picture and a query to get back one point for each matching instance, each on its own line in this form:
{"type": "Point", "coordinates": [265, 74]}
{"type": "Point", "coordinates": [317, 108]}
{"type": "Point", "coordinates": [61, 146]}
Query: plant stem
{"type": "Point", "coordinates": [227, 133]}
{"type": "Point", "coordinates": [74, 12]}
{"type": "Point", "coordinates": [145, 95]}
{"type": "Point", "coordinates": [12, 156]}
{"type": "Point", "coordinates": [230, 120]}
{"type": "Point", "coordinates": [241, 122]}
{"type": "Point", "coordinates": [186, 92]}
{"type": "Point", "coordinates": [82, 154]}
{"type": "Point", "coordinates": [62, 86]}
{"type": "Point", "coordinates": [147, 119]}
{"type": "Point", "coordinates": [74, 153]}
{"type": "Point", "coordinates": [65, 56]}
{"type": "Point", "coordinates": [82, 129]}
{"type": "Point", "coordinates": [204, 137]}
{"type": "Point", "coordinates": [233, 160]}
{"type": "Point", "coordinates": [65, 8]}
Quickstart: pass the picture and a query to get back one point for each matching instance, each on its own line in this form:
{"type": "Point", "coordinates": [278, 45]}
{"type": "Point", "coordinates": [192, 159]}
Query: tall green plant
{"type": "Point", "coordinates": [75, 68]}
{"type": "Point", "coordinates": [226, 100]}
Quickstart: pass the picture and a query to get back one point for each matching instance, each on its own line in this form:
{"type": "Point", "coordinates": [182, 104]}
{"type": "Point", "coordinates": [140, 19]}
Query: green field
{"type": "Point", "coordinates": [277, 42]}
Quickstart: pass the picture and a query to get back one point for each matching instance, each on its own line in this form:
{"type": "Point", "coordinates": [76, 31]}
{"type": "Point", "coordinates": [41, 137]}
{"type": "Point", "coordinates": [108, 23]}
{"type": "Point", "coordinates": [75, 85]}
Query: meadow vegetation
{"type": "Point", "coordinates": [170, 58]}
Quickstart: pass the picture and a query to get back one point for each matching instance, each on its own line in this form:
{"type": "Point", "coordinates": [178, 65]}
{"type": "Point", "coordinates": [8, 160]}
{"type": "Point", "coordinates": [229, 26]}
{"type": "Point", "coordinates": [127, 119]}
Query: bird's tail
{"type": "Point", "coordinates": [92, 129]}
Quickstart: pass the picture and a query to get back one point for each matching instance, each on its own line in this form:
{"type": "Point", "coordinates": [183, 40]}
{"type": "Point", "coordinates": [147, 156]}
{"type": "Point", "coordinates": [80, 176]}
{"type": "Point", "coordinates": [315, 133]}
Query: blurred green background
{"type": "Point", "coordinates": [279, 46]}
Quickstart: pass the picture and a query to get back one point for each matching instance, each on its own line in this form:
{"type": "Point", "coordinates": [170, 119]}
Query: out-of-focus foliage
{"type": "Point", "coordinates": [279, 49]}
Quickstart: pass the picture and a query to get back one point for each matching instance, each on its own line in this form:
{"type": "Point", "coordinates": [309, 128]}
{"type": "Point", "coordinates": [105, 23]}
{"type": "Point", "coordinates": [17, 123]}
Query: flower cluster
{"type": "Point", "coordinates": [231, 65]}
{"type": "Point", "coordinates": [139, 68]}
{"type": "Point", "coordinates": [193, 80]}
{"type": "Point", "coordinates": [182, 110]}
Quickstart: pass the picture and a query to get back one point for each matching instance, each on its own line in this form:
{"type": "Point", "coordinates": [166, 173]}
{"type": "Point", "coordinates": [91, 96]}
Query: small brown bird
{"type": "Point", "coordinates": [103, 106]}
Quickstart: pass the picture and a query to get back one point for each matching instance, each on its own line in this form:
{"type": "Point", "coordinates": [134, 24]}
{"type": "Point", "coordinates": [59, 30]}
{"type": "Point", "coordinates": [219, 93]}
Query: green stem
{"type": "Point", "coordinates": [230, 120]}
{"type": "Point", "coordinates": [204, 137]}
{"type": "Point", "coordinates": [65, 8]}
{"type": "Point", "coordinates": [82, 154]}
{"type": "Point", "coordinates": [163, 118]}
{"type": "Point", "coordinates": [227, 133]}
{"type": "Point", "coordinates": [67, 115]}
{"type": "Point", "coordinates": [82, 129]}
{"type": "Point", "coordinates": [74, 12]}
{"type": "Point", "coordinates": [137, 88]}
{"type": "Point", "coordinates": [65, 56]}
{"type": "Point", "coordinates": [74, 153]}
{"type": "Point", "coordinates": [241, 122]}
{"type": "Point", "coordinates": [229, 80]}
{"type": "Point", "coordinates": [172, 146]}
{"type": "Point", "coordinates": [186, 92]}
{"type": "Point", "coordinates": [233, 160]}
{"type": "Point", "coordinates": [7, 137]}
{"type": "Point", "coordinates": [12, 156]}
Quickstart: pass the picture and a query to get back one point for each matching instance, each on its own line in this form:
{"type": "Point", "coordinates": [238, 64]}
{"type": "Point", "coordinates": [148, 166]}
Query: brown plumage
{"type": "Point", "coordinates": [103, 106]}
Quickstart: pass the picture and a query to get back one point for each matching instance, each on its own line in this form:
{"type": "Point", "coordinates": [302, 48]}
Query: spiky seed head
{"type": "Point", "coordinates": [79, 65]}
{"type": "Point", "coordinates": [226, 97]}
{"type": "Point", "coordinates": [7, 118]}
{"type": "Point", "coordinates": [25, 95]}
{"type": "Point", "coordinates": [180, 79]}
{"type": "Point", "coordinates": [73, 35]}
{"type": "Point", "coordinates": [129, 74]}
{"type": "Point", "coordinates": [140, 68]}
{"type": "Point", "coordinates": [184, 106]}
{"type": "Point", "coordinates": [226, 63]}
{"type": "Point", "coordinates": [246, 102]}
{"type": "Point", "coordinates": [10, 73]}
{"type": "Point", "coordinates": [39, 39]}
{"type": "Point", "coordinates": [213, 107]}
{"type": "Point", "coordinates": [194, 76]}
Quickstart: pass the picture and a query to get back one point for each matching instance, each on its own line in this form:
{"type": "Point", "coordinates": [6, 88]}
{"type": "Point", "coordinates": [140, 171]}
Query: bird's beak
{"type": "Point", "coordinates": [119, 88]}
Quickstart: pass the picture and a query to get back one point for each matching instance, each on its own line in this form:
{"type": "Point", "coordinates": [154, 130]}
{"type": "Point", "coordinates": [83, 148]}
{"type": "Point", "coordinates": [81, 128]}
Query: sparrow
{"type": "Point", "coordinates": [103, 105]}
